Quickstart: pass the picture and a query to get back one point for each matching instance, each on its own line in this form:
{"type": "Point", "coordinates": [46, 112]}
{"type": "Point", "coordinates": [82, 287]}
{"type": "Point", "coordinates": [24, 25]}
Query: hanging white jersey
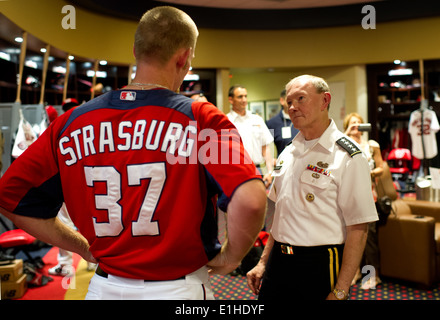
{"type": "Point", "coordinates": [430, 128]}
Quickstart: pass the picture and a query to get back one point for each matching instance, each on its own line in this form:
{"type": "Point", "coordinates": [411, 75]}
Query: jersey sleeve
{"type": "Point", "coordinates": [411, 125]}
{"type": "Point", "coordinates": [227, 160]}
{"type": "Point", "coordinates": [434, 122]}
{"type": "Point", "coordinates": [31, 186]}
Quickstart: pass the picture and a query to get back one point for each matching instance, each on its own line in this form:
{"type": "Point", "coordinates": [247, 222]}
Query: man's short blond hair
{"type": "Point", "coordinates": [162, 31]}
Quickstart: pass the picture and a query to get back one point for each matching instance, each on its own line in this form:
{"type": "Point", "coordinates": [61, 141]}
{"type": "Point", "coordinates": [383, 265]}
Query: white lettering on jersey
{"type": "Point", "coordinates": [68, 150]}
{"type": "Point", "coordinates": [155, 144]}
{"type": "Point", "coordinates": [85, 141]}
{"type": "Point", "coordinates": [173, 134]}
{"type": "Point", "coordinates": [74, 135]}
{"type": "Point", "coordinates": [138, 136]}
{"type": "Point", "coordinates": [186, 148]}
{"type": "Point", "coordinates": [123, 135]}
{"type": "Point", "coordinates": [88, 138]}
{"type": "Point", "coordinates": [106, 137]}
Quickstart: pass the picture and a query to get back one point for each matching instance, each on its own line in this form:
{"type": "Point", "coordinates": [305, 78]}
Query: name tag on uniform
{"type": "Point", "coordinates": [286, 133]}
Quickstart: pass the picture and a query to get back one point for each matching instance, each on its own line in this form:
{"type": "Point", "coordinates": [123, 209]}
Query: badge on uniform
{"type": "Point", "coordinates": [322, 164]}
{"type": "Point", "coordinates": [286, 249]}
{"type": "Point", "coordinates": [128, 95]}
{"type": "Point", "coordinates": [276, 168]}
{"type": "Point", "coordinates": [318, 169]}
{"type": "Point", "coordinates": [348, 146]}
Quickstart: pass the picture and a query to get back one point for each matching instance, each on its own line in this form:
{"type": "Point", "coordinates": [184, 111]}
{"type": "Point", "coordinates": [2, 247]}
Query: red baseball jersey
{"type": "Point", "coordinates": [139, 172]}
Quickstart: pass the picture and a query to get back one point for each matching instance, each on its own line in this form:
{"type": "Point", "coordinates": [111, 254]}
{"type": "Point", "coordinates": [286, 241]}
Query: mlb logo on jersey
{"type": "Point", "coordinates": [128, 95]}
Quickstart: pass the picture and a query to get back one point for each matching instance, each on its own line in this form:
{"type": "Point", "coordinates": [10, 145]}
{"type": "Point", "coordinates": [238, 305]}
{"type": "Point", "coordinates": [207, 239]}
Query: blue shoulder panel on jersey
{"type": "Point", "coordinates": [141, 98]}
{"type": "Point", "coordinates": [44, 201]}
{"type": "Point", "coordinates": [209, 226]}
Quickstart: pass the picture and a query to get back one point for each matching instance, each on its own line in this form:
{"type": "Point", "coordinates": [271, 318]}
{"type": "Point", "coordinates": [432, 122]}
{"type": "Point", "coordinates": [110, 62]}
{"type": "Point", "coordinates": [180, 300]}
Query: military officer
{"type": "Point", "coordinates": [322, 190]}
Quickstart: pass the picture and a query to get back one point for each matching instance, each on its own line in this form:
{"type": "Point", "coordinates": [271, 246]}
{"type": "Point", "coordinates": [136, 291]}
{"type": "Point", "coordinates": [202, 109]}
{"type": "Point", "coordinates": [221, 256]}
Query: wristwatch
{"type": "Point", "coordinates": [340, 294]}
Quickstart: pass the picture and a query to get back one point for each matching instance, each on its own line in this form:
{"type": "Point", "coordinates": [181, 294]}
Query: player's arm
{"type": "Point", "coordinates": [245, 217]}
{"type": "Point", "coordinates": [52, 231]}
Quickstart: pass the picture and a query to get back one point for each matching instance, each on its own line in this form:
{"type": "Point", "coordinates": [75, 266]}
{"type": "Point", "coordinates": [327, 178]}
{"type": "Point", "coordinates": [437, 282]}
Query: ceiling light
{"type": "Point", "coordinates": [59, 69]}
{"type": "Point", "coordinates": [43, 50]}
{"type": "Point", "coordinates": [192, 77]}
{"type": "Point", "coordinates": [99, 74]}
{"type": "Point", "coordinates": [103, 63]}
{"type": "Point", "coordinates": [31, 64]}
{"type": "Point", "coordinates": [71, 57]}
{"type": "Point", "coordinates": [18, 39]}
{"type": "Point", "coordinates": [401, 72]}
{"type": "Point", "coordinates": [397, 61]}
{"type": "Point", "coordinates": [5, 56]}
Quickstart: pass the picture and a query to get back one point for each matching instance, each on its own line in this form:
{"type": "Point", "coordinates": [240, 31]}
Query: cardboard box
{"type": "Point", "coordinates": [14, 289]}
{"type": "Point", "coordinates": [11, 272]}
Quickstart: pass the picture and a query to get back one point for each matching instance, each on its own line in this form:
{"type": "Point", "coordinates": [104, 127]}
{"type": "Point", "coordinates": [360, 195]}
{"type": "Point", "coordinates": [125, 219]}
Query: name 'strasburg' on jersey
{"type": "Point", "coordinates": [176, 141]}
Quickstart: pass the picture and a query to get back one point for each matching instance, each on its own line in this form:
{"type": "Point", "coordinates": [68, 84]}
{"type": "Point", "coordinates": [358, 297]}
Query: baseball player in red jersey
{"type": "Point", "coordinates": [138, 170]}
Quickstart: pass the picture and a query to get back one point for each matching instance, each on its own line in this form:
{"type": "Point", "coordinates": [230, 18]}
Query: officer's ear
{"type": "Point", "coordinates": [326, 101]}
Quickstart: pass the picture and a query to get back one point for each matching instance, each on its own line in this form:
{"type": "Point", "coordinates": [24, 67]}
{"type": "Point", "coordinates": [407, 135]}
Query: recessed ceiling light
{"type": "Point", "coordinates": [401, 72]}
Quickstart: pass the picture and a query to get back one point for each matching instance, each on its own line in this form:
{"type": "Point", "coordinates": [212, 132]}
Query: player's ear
{"type": "Point", "coordinates": [183, 57]}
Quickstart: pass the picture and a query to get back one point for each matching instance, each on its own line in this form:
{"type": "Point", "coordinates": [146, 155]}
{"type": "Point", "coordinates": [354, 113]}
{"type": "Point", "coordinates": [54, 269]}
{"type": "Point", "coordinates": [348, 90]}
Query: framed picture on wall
{"type": "Point", "coordinates": [257, 107]}
{"type": "Point", "coordinates": [272, 108]}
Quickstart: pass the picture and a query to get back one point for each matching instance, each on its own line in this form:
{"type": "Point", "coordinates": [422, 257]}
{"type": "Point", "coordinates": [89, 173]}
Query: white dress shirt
{"type": "Point", "coordinates": [253, 132]}
{"type": "Point", "coordinates": [320, 191]}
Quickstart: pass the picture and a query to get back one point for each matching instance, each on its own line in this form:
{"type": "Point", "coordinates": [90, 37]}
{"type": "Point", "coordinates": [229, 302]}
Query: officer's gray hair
{"type": "Point", "coordinates": [319, 83]}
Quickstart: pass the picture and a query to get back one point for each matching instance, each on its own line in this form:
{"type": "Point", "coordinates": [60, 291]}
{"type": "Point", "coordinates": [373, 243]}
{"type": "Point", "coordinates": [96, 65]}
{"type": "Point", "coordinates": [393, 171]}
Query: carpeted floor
{"type": "Point", "coordinates": [225, 287]}
{"type": "Point", "coordinates": [392, 290]}
{"type": "Point", "coordinates": [231, 288]}
{"type": "Point", "coordinates": [235, 288]}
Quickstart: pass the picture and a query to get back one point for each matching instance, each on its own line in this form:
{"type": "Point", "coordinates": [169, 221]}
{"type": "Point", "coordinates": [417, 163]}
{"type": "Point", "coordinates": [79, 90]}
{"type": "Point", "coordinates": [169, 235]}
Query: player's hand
{"type": "Point", "coordinates": [221, 265]}
{"type": "Point", "coordinates": [254, 278]}
{"type": "Point", "coordinates": [267, 179]}
{"type": "Point", "coordinates": [87, 255]}
{"type": "Point", "coordinates": [224, 262]}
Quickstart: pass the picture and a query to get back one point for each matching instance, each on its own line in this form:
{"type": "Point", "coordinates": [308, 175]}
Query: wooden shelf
{"type": "Point", "coordinates": [399, 89]}
{"type": "Point", "coordinates": [390, 108]}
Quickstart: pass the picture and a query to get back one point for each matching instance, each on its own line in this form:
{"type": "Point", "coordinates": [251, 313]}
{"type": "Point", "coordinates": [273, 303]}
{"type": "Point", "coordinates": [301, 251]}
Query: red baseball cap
{"type": "Point", "coordinates": [51, 113]}
{"type": "Point", "coordinates": [69, 103]}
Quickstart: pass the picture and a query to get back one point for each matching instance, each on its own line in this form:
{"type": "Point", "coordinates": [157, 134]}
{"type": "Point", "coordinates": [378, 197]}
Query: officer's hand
{"type": "Point", "coordinates": [254, 277]}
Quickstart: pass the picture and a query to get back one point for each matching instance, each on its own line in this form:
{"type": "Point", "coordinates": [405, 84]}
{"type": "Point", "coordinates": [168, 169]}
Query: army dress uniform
{"type": "Point", "coordinates": [319, 187]}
